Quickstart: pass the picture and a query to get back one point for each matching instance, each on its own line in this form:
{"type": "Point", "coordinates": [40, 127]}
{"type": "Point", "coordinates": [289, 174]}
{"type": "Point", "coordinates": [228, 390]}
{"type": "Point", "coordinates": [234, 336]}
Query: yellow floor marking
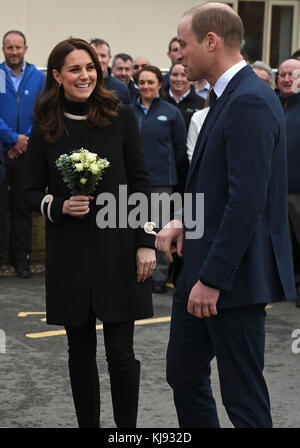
{"type": "Point", "coordinates": [45, 334]}
{"type": "Point", "coordinates": [29, 313]}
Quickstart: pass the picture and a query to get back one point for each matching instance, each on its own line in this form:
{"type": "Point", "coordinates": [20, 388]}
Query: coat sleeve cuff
{"type": "Point", "coordinates": [218, 272]}
{"type": "Point", "coordinates": [51, 208]}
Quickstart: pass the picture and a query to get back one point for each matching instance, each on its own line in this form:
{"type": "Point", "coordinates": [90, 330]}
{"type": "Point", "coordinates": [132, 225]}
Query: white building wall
{"type": "Point", "coordinates": [137, 27]}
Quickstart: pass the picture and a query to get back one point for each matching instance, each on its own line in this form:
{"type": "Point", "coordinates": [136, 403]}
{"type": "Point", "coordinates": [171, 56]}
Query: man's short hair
{"type": "Point", "coordinates": [174, 39]}
{"type": "Point", "coordinates": [220, 20]}
{"type": "Point", "coordinates": [14, 32]}
{"type": "Point", "coordinates": [124, 56]}
{"type": "Point", "coordinates": [99, 42]}
{"type": "Point", "coordinates": [260, 65]}
{"type": "Point", "coordinates": [296, 55]}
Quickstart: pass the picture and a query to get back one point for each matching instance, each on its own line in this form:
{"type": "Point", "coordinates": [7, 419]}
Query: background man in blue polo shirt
{"type": "Point", "coordinates": [21, 84]}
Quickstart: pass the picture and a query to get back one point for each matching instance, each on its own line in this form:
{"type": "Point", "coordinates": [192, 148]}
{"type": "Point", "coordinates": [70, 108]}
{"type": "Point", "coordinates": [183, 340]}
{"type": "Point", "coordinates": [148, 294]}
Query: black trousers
{"type": "Point", "coordinates": [236, 337]}
{"type": "Point", "coordinates": [124, 371]}
{"type": "Point", "coordinates": [11, 197]}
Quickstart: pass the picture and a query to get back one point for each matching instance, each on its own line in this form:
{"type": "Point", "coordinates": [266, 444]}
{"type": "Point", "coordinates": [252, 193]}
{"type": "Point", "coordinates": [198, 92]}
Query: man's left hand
{"type": "Point", "coordinates": [203, 300]}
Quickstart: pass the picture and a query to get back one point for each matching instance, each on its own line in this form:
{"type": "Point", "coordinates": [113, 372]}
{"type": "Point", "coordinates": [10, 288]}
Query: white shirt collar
{"type": "Point", "coordinates": [181, 98]}
{"type": "Point", "coordinates": [222, 82]}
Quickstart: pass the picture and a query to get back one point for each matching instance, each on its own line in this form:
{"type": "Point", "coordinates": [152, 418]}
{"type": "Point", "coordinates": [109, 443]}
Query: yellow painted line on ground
{"type": "Point", "coordinates": [29, 313]}
{"type": "Point", "coordinates": [45, 334]}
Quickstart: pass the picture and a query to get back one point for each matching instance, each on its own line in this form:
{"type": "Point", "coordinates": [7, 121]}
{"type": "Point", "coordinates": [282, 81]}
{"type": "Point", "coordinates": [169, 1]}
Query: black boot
{"type": "Point", "coordinates": [125, 384]}
{"type": "Point", "coordinates": [22, 266]}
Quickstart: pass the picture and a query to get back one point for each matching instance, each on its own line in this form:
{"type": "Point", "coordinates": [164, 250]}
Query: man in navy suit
{"type": "Point", "coordinates": [243, 261]}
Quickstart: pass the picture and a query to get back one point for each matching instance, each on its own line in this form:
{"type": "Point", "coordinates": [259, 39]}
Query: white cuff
{"type": "Point", "coordinates": [47, 200]}
{"type": "Point", "coordinates": [149, 226]}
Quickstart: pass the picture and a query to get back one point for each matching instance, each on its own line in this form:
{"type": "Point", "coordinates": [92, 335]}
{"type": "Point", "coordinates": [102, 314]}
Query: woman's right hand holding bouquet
{"type": "Point", "coordinates": [77, 205]}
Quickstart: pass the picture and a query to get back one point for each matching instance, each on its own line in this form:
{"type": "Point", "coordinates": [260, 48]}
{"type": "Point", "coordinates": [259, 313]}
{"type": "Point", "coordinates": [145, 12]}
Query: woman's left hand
{"type": "Point", "coordinates": [146, 263]}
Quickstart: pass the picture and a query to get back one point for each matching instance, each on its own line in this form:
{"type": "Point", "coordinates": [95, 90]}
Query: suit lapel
{"type": "Point", "coordinates": [212, 117]}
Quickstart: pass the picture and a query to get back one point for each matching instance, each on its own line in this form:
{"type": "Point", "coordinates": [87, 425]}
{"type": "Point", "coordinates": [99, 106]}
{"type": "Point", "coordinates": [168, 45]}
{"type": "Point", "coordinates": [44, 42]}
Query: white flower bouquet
{"type": "Point", "coordinates": [81, 170]}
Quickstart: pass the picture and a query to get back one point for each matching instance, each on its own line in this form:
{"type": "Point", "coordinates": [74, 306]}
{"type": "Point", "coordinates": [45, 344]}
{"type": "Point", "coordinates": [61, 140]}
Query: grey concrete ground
{"type": "Point", "coordinates": [34, 383]}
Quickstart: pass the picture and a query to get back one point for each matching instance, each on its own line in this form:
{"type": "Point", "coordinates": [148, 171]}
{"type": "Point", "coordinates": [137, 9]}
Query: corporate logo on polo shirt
{"type": "Point", "coordinates": [162, 118]}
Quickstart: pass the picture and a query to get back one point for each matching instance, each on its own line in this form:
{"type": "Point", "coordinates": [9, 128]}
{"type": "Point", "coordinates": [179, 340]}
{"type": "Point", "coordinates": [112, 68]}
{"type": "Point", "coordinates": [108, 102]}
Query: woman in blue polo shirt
{"type": "Point", "coordinates": [164, 141]}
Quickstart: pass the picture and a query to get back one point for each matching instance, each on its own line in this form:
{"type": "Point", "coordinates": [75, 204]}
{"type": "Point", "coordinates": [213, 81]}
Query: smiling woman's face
{"type": "Point", "coordinates": [149, 85]}
{"type": "Point", "coordinates": [78, 76]}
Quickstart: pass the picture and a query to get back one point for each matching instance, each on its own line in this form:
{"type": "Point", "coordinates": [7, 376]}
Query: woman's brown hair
{"type": "Point", "coordinates": [49, 111]}
{"type": "Point", "coordinates": [156, 71]}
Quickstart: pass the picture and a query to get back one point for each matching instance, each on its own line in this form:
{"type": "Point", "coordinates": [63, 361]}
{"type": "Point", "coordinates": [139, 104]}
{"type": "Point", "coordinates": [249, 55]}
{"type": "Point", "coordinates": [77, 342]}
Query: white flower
{"type": "Point", "coordinates": [91, 157]}
{"type": "Point", "coordinates": [83, 180]}
{"type": "Point", "coordinates": [75, 156]}
{"type": "Point", "coordinates": [79, 166]}
{"type": "Point", "coordinates": [94, 168]}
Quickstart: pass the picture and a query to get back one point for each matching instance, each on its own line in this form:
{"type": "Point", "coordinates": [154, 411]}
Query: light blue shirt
{"type": "Point", "coordinates": [16, 80]}
{"type": "Point", "coordinates": [204, 91]}
{"type": "Point", "coordinates": [144, 108]}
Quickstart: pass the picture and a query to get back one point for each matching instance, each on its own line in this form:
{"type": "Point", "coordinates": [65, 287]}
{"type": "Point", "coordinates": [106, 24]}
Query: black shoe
{"type": "Point", "coordinates": [159, 287]}
{"type": "Point", "coordinates": [22, 267]}
{"type": "Point", "coordinates": [298, 302]}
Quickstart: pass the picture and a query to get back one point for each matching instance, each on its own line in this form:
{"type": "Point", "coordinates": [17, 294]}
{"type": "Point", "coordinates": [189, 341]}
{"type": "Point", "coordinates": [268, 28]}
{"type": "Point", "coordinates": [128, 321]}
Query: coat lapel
{"type": "Point", "coordinates": [212, 117]}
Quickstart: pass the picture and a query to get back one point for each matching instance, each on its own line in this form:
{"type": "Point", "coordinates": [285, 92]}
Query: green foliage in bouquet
{"type": "Point", "coordinates": [81, 171]}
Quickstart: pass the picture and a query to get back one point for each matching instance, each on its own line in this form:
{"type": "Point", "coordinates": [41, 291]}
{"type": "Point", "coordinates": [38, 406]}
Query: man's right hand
{"type": "Point", "coordinates": [170, 239]}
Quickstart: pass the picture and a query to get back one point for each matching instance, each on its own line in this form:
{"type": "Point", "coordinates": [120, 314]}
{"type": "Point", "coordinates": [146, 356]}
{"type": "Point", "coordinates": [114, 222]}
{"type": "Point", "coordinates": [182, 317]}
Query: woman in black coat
{"type": "Point", "coordinates": [91, 272]}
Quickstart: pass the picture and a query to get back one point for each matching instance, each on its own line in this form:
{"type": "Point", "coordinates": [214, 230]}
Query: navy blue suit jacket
{"type": "Point", "coordinates": [239, 164]}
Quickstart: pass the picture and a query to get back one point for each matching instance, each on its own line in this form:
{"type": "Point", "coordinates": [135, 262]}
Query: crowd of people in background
{"type": "Point", "coordinates": [168, 144]}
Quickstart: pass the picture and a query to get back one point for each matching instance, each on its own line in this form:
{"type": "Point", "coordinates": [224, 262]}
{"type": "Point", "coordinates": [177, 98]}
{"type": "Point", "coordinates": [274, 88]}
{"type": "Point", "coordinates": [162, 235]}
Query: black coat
{"type": "Point", "coordinates": [84, 264]}
{"type": "Point", "coordinates": [188, 106]}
